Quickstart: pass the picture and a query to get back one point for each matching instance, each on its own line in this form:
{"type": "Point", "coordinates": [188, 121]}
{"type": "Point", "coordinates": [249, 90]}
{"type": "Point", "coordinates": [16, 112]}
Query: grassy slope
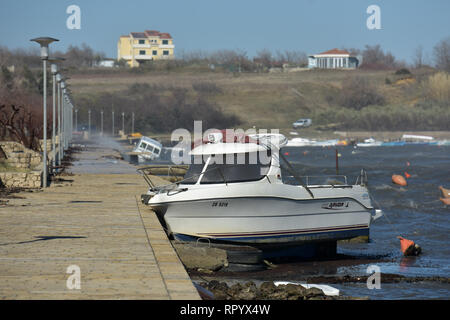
{"type": "Point", "coordinates": [264, 100]}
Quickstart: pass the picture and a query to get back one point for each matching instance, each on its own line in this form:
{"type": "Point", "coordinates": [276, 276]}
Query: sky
{"type": "Point", "coordinates": [311, 26]}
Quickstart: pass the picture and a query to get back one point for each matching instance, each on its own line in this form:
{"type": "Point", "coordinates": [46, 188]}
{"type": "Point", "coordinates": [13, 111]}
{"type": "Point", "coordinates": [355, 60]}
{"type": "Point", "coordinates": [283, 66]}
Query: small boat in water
{"type": "Point", "coordinates": [370, 142]}
{"type": "Point", "coordinates": [299, 142]}
{"type": "Point", "coordinates": [233, 192]}
{"type": "Point", "coordinates": [147, 149]}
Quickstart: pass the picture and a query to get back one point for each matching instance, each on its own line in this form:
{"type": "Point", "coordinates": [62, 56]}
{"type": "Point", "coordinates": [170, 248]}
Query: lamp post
{"type": "Point", "coordinates": [76, 120]}
{"type": "Point", "coordinates": [89, 121]}
{"type": "Point", "coordinates": [59, 79]}
{"type": "Point", "coordinates": [132, 122]}
{"type": "Point", "coordinates": [123, 123]}
{"type": "Point", "coordinates": [101, 123]}
{"type": "Point", "coordinates": [62, 119]}
{"type": "Point", "coordinates": [113, 123]}
{"type": "Point", "coordinates": [54, 70]}
{"type": "Point", "coordinates": [66, 115]}
{"type": "Point", "coordinates": [44, 42]}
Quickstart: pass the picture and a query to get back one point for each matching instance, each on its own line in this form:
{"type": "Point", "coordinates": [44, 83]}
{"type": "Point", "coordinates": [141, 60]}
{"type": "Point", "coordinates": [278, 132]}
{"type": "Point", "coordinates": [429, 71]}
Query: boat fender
{"type": "Point", "coordinates": [398, 179]}
{"type": "Point", "coordinates": [407, 175]}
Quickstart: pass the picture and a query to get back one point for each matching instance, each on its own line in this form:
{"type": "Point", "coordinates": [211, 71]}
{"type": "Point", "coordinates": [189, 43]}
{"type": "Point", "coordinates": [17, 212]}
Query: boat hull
{"type": "Point", "coordinates": [268, 220]}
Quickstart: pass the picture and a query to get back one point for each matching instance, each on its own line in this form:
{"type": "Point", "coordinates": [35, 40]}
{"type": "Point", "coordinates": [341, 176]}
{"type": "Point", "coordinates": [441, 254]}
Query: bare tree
{"type": "Point", "coordinates": [298, 58]}
{"type": "Point", "coordinates": [418, 57]}
{"type": "Point", "coordinates": [264, 57]}
{"type": "Point", "coordinates": [375, 58]}
{"type": "Point", "coordinates": [441, 52]}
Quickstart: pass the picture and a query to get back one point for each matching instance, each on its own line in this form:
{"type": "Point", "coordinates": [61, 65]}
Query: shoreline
{"type": "Point", "coordinates": [329, 135]}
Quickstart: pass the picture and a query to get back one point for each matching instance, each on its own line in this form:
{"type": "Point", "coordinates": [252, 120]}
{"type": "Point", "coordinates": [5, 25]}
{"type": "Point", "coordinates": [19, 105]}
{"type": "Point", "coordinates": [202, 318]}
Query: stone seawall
{"type": "Point", "coordinates": [25, 164]}
{"type": "Point", "coordinates": [19, 156]}
{"type": "Point", "coordinates": [32, 179]}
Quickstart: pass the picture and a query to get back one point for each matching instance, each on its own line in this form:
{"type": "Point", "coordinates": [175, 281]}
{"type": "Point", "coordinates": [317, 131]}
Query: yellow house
{"type": "Point", "coordinates": [140, 47]}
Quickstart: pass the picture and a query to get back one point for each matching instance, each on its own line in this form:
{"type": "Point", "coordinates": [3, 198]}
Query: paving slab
{"type": "Point", "coordinates": [93, 220]}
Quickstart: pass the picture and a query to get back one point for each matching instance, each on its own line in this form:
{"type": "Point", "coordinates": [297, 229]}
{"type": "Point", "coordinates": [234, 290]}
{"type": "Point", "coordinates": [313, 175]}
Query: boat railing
{"type": "Point", "coordinates": [176, 175]}
{"type": "Point", "coordinates": [330, 180]}
{"type": "Point", "coordinates": [173, 172]}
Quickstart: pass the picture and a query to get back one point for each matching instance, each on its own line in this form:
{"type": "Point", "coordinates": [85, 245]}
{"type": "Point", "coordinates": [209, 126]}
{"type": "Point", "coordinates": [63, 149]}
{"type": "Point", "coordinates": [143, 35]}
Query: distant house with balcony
{"type": "Point", "coordinates": [333, 59]}
{"type": "Point", "coordinates": [140, 47]}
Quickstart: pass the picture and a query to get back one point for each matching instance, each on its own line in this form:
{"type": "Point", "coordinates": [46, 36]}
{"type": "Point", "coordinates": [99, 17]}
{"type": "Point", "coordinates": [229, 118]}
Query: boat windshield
{"type": "Point", "coordinates": [227, 168]}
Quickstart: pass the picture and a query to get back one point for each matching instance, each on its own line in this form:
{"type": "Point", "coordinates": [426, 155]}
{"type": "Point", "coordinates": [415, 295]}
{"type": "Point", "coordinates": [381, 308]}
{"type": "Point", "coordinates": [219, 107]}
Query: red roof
{"type": "Point", "coordinates": [138, 34]}
{"type": "Point", "coordinates": [165, 36]}
{"type": "Point", "coordinates": [151, 33]}
{"type": "Point", "coordinates": [335, 51]}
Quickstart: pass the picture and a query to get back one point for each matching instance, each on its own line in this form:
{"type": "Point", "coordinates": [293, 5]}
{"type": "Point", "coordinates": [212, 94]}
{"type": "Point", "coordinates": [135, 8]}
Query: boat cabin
{"type": "Point", "coordinates": [150, 148]}
{"type": "Point", "coordinates": [219, 162]}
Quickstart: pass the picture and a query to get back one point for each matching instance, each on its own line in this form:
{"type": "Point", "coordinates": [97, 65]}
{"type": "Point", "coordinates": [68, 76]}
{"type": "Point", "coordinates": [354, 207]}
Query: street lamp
{"type": "Point", "coordinates": [123, 123]}
{"type": "Point", "coordinates": [76, 120]}
{"type": "Point", "coordinates": [113, 123]}
{"type": "Point", "coordinates": [101, 123]}
{"type": "Point", "coordinates": [44, 42]}
{"type": "Point", "coordinates": [54, 70]}
{"type": "Point", "coordinates": [89, 132]}
{"type": "Point", "coordinates": [63, 120]}
{"type": "Point", "coordinates": [132, 122]}
{"type": "Point", "coordinates": [59, 79]}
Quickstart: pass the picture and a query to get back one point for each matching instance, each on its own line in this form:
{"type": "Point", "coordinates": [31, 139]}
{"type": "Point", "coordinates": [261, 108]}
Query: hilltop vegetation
{"type": "Point", "coordinates": [334, 99]}
{"type": "Point", "coordinates": [228, 89]}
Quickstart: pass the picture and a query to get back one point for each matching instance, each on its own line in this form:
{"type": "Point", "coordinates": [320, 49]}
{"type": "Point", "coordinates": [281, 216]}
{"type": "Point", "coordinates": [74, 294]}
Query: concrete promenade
{"type": "Point", "coordinates": [94, 221]}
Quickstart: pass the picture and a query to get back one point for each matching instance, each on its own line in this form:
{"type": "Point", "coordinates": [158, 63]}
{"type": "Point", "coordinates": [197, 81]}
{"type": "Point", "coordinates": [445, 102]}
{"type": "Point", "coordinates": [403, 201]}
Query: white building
{"type": "Point", "coordinates": [333, 59]}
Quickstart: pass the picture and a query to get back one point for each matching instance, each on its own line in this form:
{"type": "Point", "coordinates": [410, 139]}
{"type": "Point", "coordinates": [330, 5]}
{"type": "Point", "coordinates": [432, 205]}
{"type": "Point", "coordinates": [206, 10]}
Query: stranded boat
{"type": "Point", "coordinates": [370, 142]}
{"type": "Point", "coordinates": [147, 149]}
{"type": "Point", "coordinates": [233, 192]}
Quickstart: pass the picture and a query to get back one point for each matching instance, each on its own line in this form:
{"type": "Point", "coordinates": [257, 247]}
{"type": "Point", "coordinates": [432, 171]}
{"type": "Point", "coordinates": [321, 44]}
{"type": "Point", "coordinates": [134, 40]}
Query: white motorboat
{"type": "Point", "coordinates": [370, 142]}
{"type": "Point", "coordinates": [147, 149]}
{"type": "Point", "coordinates": [233, 192]}
{"type": "Point", "coordinates": [326, 143]}
{"type": "Point", "coordinates": [299, 142]}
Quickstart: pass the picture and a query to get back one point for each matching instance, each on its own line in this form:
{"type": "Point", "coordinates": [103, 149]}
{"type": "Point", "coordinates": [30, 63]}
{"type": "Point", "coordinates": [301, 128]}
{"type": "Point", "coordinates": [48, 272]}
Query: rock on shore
{"type": "Point", "coordinates": [266, 291]}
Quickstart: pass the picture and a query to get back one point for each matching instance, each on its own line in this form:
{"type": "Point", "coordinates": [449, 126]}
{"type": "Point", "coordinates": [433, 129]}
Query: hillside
{"type": "Point", "coordinates": [275, 100]}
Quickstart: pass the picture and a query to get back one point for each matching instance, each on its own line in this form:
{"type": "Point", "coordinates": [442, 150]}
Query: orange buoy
{"type": "Point", "coordinates": [407, 175]}
{"type": "Point", "coordinates": [286, 153]}
{"type": "Point", "coordinates": [398, 179]}
{"type": "Point", "coordinates": [408, 247]}
{"type": "Point", "coordinates": [408, 164]}
{"type": "Point", "coordinates": [445, 192]}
